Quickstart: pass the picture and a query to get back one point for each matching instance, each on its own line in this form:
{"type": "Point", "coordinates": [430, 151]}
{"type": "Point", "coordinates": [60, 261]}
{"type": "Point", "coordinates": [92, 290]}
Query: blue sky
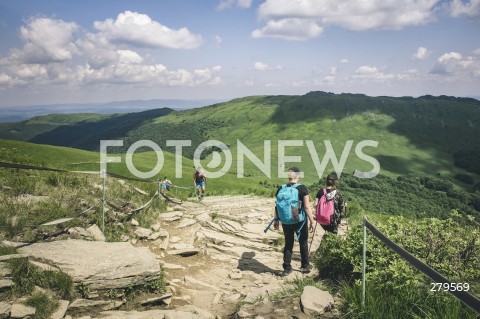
{"type": "Point", "coordinates": [98, 51]}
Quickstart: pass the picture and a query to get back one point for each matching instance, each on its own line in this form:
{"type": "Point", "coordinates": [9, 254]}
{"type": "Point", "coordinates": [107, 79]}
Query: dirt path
{"type": "Point", "coordinates": [236, 260]}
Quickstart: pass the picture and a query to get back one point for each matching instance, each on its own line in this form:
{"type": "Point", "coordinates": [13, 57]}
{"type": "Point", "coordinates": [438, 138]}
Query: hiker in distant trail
{"type": "Point", "coordinates": [292, 209]}
{"type": "Point", "coordinates": [330, 196]}
{"type": "Point", "coordinates": [199, 181]}
{"type": "Point", "coordinates": [165, 183]}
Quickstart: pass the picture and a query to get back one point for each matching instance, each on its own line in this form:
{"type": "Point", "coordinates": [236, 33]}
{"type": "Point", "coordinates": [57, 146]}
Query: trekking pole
{"type": "Point", "coordinates": [269, 225]}
{"type": "Point", "coordinates": [314, 229]}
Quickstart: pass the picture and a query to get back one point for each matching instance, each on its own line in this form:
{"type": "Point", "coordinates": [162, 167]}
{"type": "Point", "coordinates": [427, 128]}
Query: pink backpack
{"type": "Point", "coordinates": [325, 209]}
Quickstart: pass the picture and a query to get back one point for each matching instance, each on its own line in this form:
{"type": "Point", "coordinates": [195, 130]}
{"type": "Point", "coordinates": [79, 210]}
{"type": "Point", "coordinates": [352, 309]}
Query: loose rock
{"type": "Point", "coordinates": [315, 301]}
{"type": "Point", "coordinates": [21, 311]}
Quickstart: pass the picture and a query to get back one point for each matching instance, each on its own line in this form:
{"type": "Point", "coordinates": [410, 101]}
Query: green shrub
{"type": "Point", "coordinates": [395, 289]}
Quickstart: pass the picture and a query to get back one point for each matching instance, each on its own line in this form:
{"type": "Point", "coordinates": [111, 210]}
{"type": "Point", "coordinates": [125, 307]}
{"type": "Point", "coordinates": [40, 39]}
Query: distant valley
{"type": "Point", "coordinates": [20, 113]}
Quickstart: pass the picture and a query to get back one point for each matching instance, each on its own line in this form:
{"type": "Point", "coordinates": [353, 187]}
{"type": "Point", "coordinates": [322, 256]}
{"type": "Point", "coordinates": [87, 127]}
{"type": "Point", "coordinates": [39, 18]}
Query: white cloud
{"type": "Point", "coordinates": [421, 53]}
{"type": "Point", "coordinates": [468, 8]}
{"type": "Point", "coordinates": [371, 73]}
{"type": "Point", "coordinates": [446, 57]}
{"type": "Point", "coordinates": [289, 29]}
{"type": "Point", "coordinates": [131, 69]}
{"type": "Point", "coordinates": [139, 30]}
{"type": "Point", "coordinates": [129, 57]}
{"type": "Point", "coordinates": [46, 41]}
{"type": "Point", "coordinates": [207, 76]}
{"type": "Point", "coordinates": [260, 66]}
{"type": "Point", "coordinates": [128, 68]}
{"type": "Point", "coordinates": [297, 84]}
{"type": "Point", "coordinates": [227, 4]}
{"type": "Point", "coordinates": [107, 56]}
{"type": "Point", "coordinates": [476, 51]}
{"type": "Point", "coordinates": [329, 80]}
{"type": "Point", "coordinates": [5, 79]}
{"type": "Point", "coordinates": [344, 61]}
{"type": "Point", "coordinates": [110, 67]}
{"type": "Point", "coordinates": [454, 64]}
{"type": "Point", "coordinates": [31, 71]}
{"type": "Point", "coordinates": [304, 19]}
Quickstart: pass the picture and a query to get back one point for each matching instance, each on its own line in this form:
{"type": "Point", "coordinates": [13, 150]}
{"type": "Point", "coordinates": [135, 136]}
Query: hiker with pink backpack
{"type": "Point", "coordinates": [329, 205]}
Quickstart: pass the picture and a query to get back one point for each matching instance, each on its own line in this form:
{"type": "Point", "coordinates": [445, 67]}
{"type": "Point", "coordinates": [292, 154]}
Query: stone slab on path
{"type": "Point", "coordinates": [99, 264]}
{"type": "Point", "coordinates": [4, 310]}
{"type": "Point", "coordinates": [219, 238]}
{"type": "Point", "coordinates": [184, 312]}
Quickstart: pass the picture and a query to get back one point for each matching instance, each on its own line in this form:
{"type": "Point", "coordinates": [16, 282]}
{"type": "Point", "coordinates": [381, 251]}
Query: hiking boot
{"type": "Point", "coordinates": [285, 273]}
{"type": "Point", "coordinates": [306, 269]}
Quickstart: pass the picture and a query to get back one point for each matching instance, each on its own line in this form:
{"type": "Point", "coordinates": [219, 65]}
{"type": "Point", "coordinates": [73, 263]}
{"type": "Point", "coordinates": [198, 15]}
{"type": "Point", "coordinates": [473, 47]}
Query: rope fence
{"type": "Point", "coordinates": [464, 296]}
{"type": "Point", "coordinates": [102, 201]}
{"type": "Point", "coordinates": [66, 219]}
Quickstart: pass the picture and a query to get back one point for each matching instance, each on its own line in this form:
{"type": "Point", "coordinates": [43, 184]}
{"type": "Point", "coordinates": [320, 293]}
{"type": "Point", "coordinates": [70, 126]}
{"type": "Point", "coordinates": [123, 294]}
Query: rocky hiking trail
{"type": "Point", "coordinates": [217, 261]}
{"type": "Point", "coordinates": [236, 261]}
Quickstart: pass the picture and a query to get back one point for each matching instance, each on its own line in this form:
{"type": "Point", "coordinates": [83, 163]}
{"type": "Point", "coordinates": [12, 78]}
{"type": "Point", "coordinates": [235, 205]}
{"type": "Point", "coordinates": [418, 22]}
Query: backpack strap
{"type": "Point", "coordinates": [299, 230]}
{"type": "Point", "coordinates": [302, 211]}
{"type": "Point", "coordinates": [300, 199]}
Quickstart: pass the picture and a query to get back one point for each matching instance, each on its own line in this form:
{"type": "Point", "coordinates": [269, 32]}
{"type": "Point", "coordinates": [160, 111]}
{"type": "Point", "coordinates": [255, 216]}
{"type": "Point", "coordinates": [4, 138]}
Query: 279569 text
{"type": "Point", "coordinates": [446, 286]}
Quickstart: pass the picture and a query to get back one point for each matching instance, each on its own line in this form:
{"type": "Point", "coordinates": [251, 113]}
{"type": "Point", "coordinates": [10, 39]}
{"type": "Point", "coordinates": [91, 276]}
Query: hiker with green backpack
{"type": "Point", "coordinates": [292, 209]}
{"type": "Point", "coordinates": [329, 205]}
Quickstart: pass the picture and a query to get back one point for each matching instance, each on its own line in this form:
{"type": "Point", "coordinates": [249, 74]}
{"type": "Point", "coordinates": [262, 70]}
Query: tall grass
{"type": "Point", "coordinates": [26, 277]}
{"type": "Point", "coordinates": [43, 304]}
{"type": "Point", "coordinates": [294, 288]}
{"type": "Point", "coordinates": [406, 302]}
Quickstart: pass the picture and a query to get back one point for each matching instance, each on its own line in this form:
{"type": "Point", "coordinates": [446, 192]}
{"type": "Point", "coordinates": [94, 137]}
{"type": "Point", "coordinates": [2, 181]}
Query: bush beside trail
{"type": "Point", "coordinates": [394, 288]}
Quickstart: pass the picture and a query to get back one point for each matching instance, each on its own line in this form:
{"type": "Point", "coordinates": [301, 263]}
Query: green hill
{"type": "Point", "coordinates": [77, 130]}
{"type": "Point", "coordinates": [434, 136]}
{"type": "Point", "coordinates": [415, 135]}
